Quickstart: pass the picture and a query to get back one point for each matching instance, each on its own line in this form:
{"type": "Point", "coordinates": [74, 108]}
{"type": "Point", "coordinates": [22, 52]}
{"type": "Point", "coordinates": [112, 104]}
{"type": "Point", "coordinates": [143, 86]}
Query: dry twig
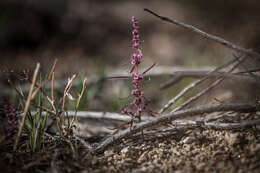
{"type": "Point", "coordinates": [218, 81]}
{"type": "Point", "coordinates": [191, 86]}
{"type": "Point", "coordinates": [172, 116]}
{"type": "Point", "coordinates": [101, 115]}
{"type": "Point", "coordinates": [27, 105]}
{"type": "Point", "coordinates": [216, 125]}
{"type": "Point", "coordinates": [206, 35]}
{"type": "Point", "coordinates": [180, 125]}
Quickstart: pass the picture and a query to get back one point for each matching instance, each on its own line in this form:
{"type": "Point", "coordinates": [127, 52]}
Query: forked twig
{"type": "Point", "coordinates": [192, 85]}
{"type": "Point", "coordinates": [172, 116]}
{"type": "Point", "coordinates": [27, 105]}
{"type": "Point", "coordinates": [206, 35]}
{"type": "Point", "coordinates": [218, 81]}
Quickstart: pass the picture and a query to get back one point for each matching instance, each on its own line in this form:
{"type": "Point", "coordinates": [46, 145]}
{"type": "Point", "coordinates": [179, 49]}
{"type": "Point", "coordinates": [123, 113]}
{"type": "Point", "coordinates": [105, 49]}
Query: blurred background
{"type": "Point", "coordinates": [94, 37]}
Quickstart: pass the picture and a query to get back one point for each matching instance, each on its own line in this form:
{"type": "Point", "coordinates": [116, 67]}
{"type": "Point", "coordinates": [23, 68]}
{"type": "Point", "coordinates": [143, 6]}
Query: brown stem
{"type": "Point", "coordinates": [206, 35]}
{"type": "Point", "coordinates": [166, 118]}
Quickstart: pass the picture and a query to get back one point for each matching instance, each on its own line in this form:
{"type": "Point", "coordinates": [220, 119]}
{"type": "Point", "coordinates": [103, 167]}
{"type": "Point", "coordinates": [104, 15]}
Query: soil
{"type": "Point", "coordinates": [183, 150]}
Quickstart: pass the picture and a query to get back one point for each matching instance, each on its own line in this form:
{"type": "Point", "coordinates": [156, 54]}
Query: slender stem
{"type": "Point", "coordinates": [149, 68]}
{"type": "Point", "coordinates": [217, 82]}
{"type": "Point", "coordinates": [27, 105]}
{"type": "Point", "coordinates": [206, 35]}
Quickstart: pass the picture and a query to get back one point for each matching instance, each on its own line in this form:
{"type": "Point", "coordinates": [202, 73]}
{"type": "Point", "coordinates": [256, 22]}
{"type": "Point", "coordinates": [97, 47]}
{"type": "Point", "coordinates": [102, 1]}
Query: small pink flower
{"type": "Point", "coordinates": [135, 76]}
{"type": "Point", "coordinates": [140, 56]}
{"type": "Point", "coordinates": [136, 45]}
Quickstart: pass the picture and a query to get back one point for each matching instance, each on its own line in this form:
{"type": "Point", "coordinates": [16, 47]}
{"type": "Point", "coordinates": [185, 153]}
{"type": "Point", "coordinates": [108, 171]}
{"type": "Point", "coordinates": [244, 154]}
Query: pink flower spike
{"type": "Point", "coordinates": [139, 103]}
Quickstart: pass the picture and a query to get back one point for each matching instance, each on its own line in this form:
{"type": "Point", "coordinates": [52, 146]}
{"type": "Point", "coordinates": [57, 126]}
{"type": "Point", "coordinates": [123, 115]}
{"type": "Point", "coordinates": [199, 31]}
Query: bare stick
{"type": "Point", "coordinates": [192, 99]}
{"type": "Point", "coordinates": [112, 116]}
{"type": "Point", "coordinates": [166, 118]}
{"type": "Point", "coordinates": [191, 86]}
{"type": "Point", "coordinates": [216, 125]}
{"type": "Point", "coordinates": [190, 124]}
{"type": "Point", "coordinates": [206, 35]}
{"type": "Point", "coordinates": [27, 105]}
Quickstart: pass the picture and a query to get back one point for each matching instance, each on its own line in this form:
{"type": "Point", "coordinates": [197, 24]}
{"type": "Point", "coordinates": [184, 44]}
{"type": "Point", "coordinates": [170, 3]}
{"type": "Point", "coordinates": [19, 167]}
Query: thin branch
{"type": "Point", "coordinates": [206, 35]}
{"type": "Point", "coordinates": [192, 85]}
{"type": "Point", "coordinates": [166, 118]}
{"type": "Point", "coordinates": [100, 116]}
{"type": "Point", "coordinates": [27, 105]}
{"type": "Point", "coordinates": [192, 99]}
{"type": "Point", "coordinates": [149, 68]}
{"type": "Point", "coordinates": [179, 125]}
{"type": "Point", "coordinates": [216, 125]}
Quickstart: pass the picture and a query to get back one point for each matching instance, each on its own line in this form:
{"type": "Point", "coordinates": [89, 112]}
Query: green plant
{"type": "Point", "coordinates": [35, 128]}
{"type": "Point", "coordinates": [37, 111]}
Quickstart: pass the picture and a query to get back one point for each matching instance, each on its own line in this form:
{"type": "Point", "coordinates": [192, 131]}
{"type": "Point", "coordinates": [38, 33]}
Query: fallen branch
{"type": "Point", "coordinates": [206, 35]}
{"type": "Point", "coordinates": [99, 115]}
{"type": "Point", "coordinates": [180, 125]}
{"type": "Point", "coordinates": [215, 125]}
{"type": "Point", "coordinates": [166, 118]}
